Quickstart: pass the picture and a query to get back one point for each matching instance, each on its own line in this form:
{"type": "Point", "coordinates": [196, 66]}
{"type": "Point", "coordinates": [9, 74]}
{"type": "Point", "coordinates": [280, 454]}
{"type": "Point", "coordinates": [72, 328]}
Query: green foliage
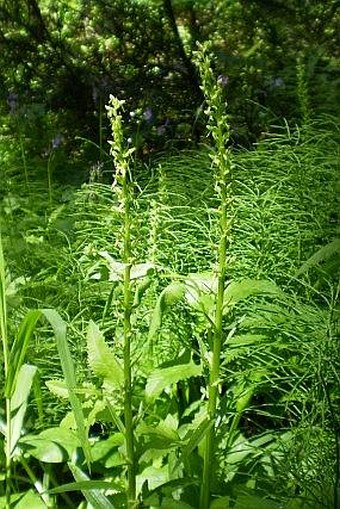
{"type": "Point", "coordinates": [129, 411]}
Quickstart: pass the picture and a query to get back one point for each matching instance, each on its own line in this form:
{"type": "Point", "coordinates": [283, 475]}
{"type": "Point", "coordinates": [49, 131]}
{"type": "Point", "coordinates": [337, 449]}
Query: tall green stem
{"type": "Point", "coordinates": [128, 417]}
{"type": "Point", "coordinates": [5, 349]}
{"type": "Point", "coordinates": [219, 129]}
{"type": "Point", "coordinates": [122, 184]}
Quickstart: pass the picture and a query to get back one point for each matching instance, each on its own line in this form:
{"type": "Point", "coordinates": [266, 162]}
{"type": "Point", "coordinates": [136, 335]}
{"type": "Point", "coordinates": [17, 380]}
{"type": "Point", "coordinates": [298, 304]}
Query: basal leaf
{"type": "Point", "coordinates": [101, 359]}
{"type": "Point", "coordinates": [161, 378]}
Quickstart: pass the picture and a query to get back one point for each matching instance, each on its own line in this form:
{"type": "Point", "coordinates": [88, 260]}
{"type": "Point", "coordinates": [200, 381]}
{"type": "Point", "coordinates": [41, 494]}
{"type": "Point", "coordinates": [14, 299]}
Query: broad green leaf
{"type": "Point", "coordinates": [18, 402]}
{"type": "Point", "coordinates": [172, 294]}
{"type": "Point", "coordinates": [106, 451]}
{"type": "Point", "coordinates": [59, 328]}
{"type": "Point", "coordinates": [91, 492]}
{"type": "Point", "coordinates": [162, 436]}
{"type": "Point", "coordinates": [101, 359]}
{"type": "Point", "coordinates": [240, 290]}
{"type": "Point", "coordinates": [53, 445]}
{"type": "Point", "coordinates": [82, 486]}
{"type": "Point", "coordinates": [155, 476]}
{"type": "Point", "coordinates": [161, 378]}
{"type": "Point", "coordinates": [19, 349]}
{"type": "Point", "coordinates": [200, 291]}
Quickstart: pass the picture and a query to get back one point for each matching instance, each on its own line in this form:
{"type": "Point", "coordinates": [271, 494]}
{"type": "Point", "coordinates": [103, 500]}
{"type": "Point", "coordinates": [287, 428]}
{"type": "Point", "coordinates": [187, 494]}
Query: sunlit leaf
{"type": "Point", "coordinates": [18, 402]}
{"type": "Point", "coordinates": [58, 388]}
{"type": "Point", "coordinates": [101, 359]}
{"type": "Point", "coordinates": [19, 349]}
{"type": "Point", "coordinates": [161, 378]}
{"type": "Point", "coordinates": [240, 290]}
{"type": "Point", "coordinates": [154, 476]}
{"type": "Point", "coordinates": [200, 291]}
{"type": "Point", "coordinates": [53, 445]}
{"type": "Point", "coordinates": [27, 500]}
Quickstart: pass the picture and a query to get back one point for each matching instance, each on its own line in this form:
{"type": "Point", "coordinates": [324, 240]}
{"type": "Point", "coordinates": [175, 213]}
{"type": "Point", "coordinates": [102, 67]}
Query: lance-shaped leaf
{"type": "Point", "coordinates": [60, 328]}
{"type": "Point", "coordinates": [101, 359]}
{"type": "Point", "coordinates": [19, 349]}
{"type": "Point", "coordinates": [322, 255]}
{"type": "Point", "coordinates": [18, 402]}
{"type": "Point", "coordinates": [240, 290]}
{"type": "Point", "coordinates": [161, 378]}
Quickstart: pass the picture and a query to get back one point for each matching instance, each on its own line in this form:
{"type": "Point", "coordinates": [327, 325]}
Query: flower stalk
{"type": "Point", "coordinates": [218, 127]}
{"type": "Point", "coordinates": [122, 186]}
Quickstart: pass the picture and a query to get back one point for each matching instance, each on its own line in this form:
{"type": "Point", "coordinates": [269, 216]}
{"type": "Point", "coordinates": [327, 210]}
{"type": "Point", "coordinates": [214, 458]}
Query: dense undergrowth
{"type": "Point", "coordinates": [141, 327]}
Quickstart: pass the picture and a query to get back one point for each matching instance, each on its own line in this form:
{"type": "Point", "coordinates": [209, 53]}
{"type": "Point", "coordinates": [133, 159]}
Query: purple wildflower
{"type": "Point", "coordinates": [278, 83]}
{"type": "Point", "coordinates": [57, 141]}
{"type": "Point", "coordinates": [148, 115]}
{"type": "Point", "coordinates": [12, 101]}
{"type": "Point", "coordinates": [223, 80]}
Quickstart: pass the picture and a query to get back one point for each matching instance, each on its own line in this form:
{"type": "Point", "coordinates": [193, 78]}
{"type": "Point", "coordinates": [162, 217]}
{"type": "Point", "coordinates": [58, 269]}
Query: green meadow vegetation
{"type": "Point", "coordinates": [170, 320]}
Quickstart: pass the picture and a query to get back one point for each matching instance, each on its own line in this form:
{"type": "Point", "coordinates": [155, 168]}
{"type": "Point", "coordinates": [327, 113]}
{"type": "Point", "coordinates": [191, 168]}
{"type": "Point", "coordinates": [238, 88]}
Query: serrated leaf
{"type": "Point", "coordinates": [162, 436]}
{"type": "Point", "coordinates": [240, 290]}
{"type": "Point", "coordinates": [194, 438]}
{"type": "Point", "coordinates": [161, 378]}
{"type": "Point", "coordinates": [101, 359]}
{"type": "Point", "coordinates": [58, 388]}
